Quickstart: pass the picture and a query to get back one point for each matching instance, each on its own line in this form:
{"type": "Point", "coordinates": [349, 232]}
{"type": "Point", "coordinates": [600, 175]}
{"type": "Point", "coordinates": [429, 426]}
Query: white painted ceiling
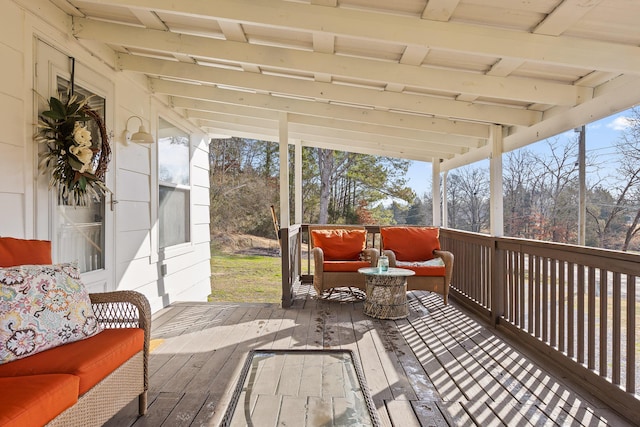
{"type": "Point", "coordinates": [417, 79]}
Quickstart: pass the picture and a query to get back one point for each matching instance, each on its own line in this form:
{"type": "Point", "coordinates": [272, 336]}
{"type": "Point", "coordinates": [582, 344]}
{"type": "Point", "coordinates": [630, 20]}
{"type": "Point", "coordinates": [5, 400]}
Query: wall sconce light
{"type": "Point", "coordinates": [142, 136]}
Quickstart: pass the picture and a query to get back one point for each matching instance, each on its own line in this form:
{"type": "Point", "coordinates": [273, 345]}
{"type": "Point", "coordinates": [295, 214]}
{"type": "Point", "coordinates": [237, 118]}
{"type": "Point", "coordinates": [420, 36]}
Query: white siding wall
{"type": "Point", "coordinates": [138, 263]}
{"type": "Point", "coordinates": [13, 139]}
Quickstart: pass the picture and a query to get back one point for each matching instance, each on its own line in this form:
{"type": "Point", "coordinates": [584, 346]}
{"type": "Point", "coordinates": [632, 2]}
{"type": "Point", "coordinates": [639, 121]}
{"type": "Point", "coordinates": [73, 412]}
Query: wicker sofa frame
{"type": "Point", "coordinates": [117, 309]}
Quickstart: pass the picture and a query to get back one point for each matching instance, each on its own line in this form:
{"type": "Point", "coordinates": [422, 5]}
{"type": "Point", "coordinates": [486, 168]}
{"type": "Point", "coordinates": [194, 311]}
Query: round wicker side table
{"type": "Point", "coordinates": [386, 292]}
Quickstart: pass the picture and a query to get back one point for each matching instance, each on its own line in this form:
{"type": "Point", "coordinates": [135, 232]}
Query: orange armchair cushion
{"type": "Point", "coordinates": [20, 252]}
{"type": "Point", "coordinates": [411, 243]}
{"type": "Point", "coordinates": [344, 266]}
{"type": "Point", "coordinates": [339, 244]}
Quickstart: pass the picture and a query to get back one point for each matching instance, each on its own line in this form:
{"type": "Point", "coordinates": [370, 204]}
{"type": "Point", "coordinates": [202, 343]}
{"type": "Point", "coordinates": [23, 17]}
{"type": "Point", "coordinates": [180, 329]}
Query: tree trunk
{"type": "Point", "coordinates": [325, 166]}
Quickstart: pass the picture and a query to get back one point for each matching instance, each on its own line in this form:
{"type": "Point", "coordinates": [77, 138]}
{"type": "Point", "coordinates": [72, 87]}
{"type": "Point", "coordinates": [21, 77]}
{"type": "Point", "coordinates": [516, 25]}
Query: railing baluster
{"type": "Point", "coordinates": [631, 334]}
{"type": "Point", "coordinates": [581, 316]}
{"type": "Point", "coordinates": [617, 325]}
{"type": "Point", "coordinates": [523, 290]}
{"type": "Point", "coordinates": [562, 323]}
{"type": "Point", "coordinates": [537, 303]}
{"type": "Point", "coordinates": [571, 312]}
{"type": "Point", "coordinates": [545, 299]}
{"type": "Point", "coordinates": [553, 303]}
{"type": "Point", "coordinates": [591, 322]}
{"type": "Point", "coordinates": [604, 336]}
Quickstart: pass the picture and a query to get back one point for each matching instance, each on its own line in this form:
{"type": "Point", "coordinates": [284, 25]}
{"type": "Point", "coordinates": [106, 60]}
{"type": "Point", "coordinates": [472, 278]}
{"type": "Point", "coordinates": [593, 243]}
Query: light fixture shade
{"type": "Point", "coordinates": [142, 136]}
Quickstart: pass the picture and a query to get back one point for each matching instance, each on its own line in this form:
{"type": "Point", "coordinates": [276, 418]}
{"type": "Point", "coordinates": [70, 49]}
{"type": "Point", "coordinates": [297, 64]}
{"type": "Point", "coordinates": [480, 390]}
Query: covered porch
{"type": "Point", "coordinates": [444, 81]}
{"type": "Point", "coordinates": [440, 366]}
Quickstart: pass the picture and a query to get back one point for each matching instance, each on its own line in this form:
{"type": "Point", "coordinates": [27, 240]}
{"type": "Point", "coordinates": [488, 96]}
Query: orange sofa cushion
{"type": "Point", "coordinates": [340, 244]}
{"type": "Point", "coordinates": [36, 400]}
{"type": "Point", "coordinates": [411, 243]}
{"type": "Point", "coordinates": [91, 359]}
{"type": "Point", "coordinates": [20, 251]}
{"type": "Point", "coordinates": [344, 266]}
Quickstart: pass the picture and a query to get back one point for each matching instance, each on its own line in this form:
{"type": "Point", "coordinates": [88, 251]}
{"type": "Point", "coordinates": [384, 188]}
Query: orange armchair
{"type": "Point", "coordinates": [418, 249]}
{"type": "Point", "coordinates": [338, 252]}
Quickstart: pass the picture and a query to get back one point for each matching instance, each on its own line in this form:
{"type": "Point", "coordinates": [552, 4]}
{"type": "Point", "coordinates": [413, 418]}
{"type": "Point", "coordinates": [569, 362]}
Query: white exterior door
{"type": "Point", "coordinates": [78, 233]}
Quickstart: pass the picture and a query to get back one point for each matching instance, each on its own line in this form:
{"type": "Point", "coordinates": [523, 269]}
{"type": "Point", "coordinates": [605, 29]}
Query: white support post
{"type": "Point", "coordinates": [435, 192]}
{"type": "Point", "coordinates": [496, 198]}
{"type": "Point", "coordinates": [284, 170]}
{"type": "Point", "coordinates": [297, 180]}
{"type": "Point", "coordinates": [445, 211]}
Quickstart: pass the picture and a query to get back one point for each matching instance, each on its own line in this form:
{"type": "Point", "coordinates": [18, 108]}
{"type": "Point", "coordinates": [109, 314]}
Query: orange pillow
{"type": "Point", "coordinates": [411, 243]}
{"type": "Point", "coordinates": [20, 252]}
{"type": "Point", "coordinates": [340, 244]}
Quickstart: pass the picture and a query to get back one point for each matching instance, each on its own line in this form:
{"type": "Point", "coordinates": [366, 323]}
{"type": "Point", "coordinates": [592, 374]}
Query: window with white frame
{"type": "Point", "coordinates": [174, 184]}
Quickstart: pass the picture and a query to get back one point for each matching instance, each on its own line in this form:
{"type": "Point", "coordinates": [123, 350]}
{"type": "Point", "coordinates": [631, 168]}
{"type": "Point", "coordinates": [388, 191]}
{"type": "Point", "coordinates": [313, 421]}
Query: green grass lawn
{"type": "Point", "coordinates": [245, 278]}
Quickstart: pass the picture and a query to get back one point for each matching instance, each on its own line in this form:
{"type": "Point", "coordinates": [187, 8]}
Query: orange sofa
{"type": "Point", "coordinates": [79, 383]}
{"type": "Point", "coordinates": [418, 249]}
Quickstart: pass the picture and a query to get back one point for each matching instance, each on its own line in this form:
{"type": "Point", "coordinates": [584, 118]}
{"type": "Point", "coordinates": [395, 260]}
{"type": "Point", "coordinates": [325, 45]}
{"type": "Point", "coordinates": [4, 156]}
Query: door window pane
{"type": "Point", "coordinates": [80, 230]}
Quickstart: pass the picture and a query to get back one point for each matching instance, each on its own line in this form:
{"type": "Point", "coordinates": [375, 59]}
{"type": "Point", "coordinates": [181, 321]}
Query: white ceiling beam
{"type": "Point", "coordinates": [255, 102]}
{"type": "Point", "coordinates": [366, 70]}
{"type": "Point", "coordinates": [406, 30]}
{"type": "Point", "coordinates": [330, 92]}
{"type": "Point", "coordinates": [439, 142]}
{"type": "Point", "coordinates": [312, 140]}
{"type": "Point", "coordinates": [306, 131]}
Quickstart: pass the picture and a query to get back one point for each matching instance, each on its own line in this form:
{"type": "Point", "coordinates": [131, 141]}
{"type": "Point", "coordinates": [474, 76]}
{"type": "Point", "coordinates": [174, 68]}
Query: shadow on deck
{"type": "Point", "coordinates": [438, 367]}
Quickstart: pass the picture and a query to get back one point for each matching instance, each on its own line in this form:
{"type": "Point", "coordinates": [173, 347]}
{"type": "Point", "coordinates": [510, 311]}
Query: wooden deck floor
{"type": "Point", "coordinates": [438, 367]}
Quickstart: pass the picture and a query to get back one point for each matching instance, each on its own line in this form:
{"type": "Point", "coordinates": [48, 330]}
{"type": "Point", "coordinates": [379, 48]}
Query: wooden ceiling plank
{"type": "Point", "coordinates": [233, 31]}
{"type": "Point", "coordinates": [567, 13]}
{"type": "Point", "coordinates": [149, 19]}
{"type": "Point", "coordinates": [439, 10]}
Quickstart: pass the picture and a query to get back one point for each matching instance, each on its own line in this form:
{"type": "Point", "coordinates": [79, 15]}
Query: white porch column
{"type": "Point", "coordinates": [496, 211]}
{"type": "Point", "coordinates": [283, 134]}
{"type": "Point", "coordinates": [445, 211]}
{"type": "Point", "coordinates": [435, 192]}
{"type": "Point", "coordinates": [297, 180]}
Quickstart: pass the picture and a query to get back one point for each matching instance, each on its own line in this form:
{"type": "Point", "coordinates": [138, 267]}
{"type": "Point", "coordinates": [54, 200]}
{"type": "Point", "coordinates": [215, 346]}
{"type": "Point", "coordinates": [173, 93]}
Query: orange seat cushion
{"type": "Point", "coordinates": [431, 271]}
{"type": "Point", "coordinates": [36, 400]}
{"type": "Point", "coordinates": [340, 244]}
{"type": "Point", "coordinates": [20, 252]}
{"type": "Point", "coordinates": [344, 266]}
{"type": "Point", "coordinates": [411, 243]}
{"type": "Point", "coordinates": [91, 359]}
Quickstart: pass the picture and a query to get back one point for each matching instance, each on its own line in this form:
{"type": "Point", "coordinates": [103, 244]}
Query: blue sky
{"type": "Point", "coordinates": [600, 137]}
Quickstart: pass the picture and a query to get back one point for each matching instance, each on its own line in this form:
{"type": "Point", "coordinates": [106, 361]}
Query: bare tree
{"type": "Point", "coordinates": [468, 198]}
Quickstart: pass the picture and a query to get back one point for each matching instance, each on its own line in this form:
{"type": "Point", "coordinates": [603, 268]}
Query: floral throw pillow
{"type": "Point", "coordinates": [42, 306]}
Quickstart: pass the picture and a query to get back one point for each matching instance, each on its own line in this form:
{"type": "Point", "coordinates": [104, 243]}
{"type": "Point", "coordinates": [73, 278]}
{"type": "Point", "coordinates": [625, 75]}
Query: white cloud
{"type": "Point", "coordinates": [620, 123]}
